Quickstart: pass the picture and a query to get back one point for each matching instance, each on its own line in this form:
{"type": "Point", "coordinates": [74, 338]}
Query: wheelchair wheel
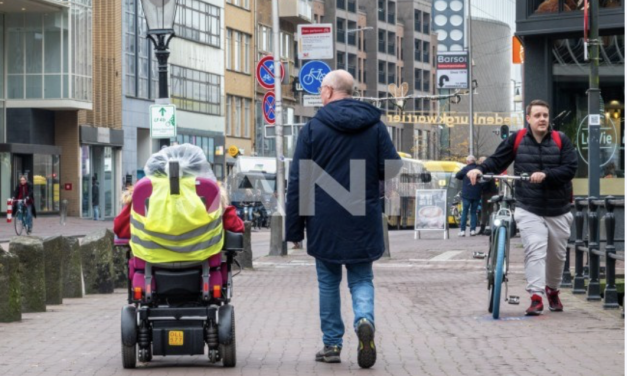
{"type": "Point", "coordinates": [228, 352]}
{"type": "Point", "coordinates": [129, 356]}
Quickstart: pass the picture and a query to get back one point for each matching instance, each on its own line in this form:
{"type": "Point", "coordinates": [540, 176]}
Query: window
{"type": "Point", "coordinates": [352, 37]}
{"type": "Point", "coordinates": [196, 91]}
{"type": "Point", "coordinates": [381, 10]}
{"type": "Point", "coordinates": [237, 49]}
{"type": "Point", "coordinates": [286, 45]}
{"type": "Point", "coordinates": [382, 41]}
{"type": "Point", "coordinates": [425, 52]}
{"type": "Point", "coordinates": [352, 65]}
{"type": "Point", "coordinates": [246, 63]}
{"type": "Point", "coordinates": [352, 6]}
{"type": "Point", "coordinates": [417, 20]}
{"type": "Point", "coordinates": [247, 104]}
{"type": "Point", "coordinates": [391, 43]}
{"type": "Point", "coordinates": [381, 72]}
{"type": "Point", "coordinates": [340, 60]}
{"type": "Point", "coordinates": [391, 73]}
{"type": "Point", "coordinates": [418, 79]}
{"type": "Point", "coordinates": [384, 103]}
{"type": "Point", "coordinates": [426, 17]}
{"type": "Point", "coordinates": [240, 3]}
{"type": "Point", "coordinates": [142, 79]}
{"type": "Point", "coordinates": [341, 32]}
{"type": "Point", "coordinates": [392, 13]}
{"type": "Point", "coordinates": [425, 80]}
{"type": "Point", "coordinates": [227, 50]}
{"type": "Point", "coordinates": [237, 117]}
{"type": "Point", "coordinates": [229, 116]}
{"type": "Point", "coordinates": [341, 4]}
{"type": "Point", "coordinates": [265, 38]}
{"type": "Point", "coordinates": [198, 21]}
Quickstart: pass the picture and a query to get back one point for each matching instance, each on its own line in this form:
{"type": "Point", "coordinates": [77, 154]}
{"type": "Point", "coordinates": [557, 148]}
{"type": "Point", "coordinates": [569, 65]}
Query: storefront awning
{"type": "Point", "coordinates": [30, 149]}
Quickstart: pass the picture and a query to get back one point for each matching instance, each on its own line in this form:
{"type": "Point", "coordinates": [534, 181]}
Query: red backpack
{"type": "Point", "coordinates": [519, 136]}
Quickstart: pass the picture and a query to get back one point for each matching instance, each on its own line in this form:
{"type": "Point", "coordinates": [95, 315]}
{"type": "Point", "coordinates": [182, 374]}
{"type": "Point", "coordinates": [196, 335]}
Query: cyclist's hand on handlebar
{"type": "Point", "coordinates": [473, 175]}
{"type": "Point", "coordinates": [537, 177]}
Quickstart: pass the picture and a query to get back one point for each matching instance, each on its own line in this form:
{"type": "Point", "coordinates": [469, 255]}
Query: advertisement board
{"type": "Point", "coordinates": [430, 210]}
{"type": "Point", "coordinates": [452, 70]}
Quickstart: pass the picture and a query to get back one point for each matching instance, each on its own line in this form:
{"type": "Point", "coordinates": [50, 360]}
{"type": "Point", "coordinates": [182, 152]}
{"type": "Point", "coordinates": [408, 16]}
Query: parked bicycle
{"type": "Point", "coordinates": [497, 264]}
{"type": "Point", "coordinates": [21, 215]}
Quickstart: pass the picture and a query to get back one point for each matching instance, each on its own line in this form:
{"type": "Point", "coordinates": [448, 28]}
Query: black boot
{"type": "Point", "coordinates": [482, 229]}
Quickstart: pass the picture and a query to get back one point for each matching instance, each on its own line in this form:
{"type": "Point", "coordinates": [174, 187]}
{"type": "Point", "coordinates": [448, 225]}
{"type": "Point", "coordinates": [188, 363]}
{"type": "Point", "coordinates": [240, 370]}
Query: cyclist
{"type": "Point", "coordinates": [543, 205]}
{"type": "Point", "coordinates": [24, 191]}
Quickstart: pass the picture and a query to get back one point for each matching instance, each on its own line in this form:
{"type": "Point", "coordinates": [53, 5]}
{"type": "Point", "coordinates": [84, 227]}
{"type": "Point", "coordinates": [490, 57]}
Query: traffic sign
{"type": "Point", "coordinates": [269, 107]}
{"type": "Point", "coordinates": [163, 121]}
{"type": "Point", "coordinates": [312, 74]}
{"type": "Point", "coordinates": [315, 41]}
{"type": "Point", "coordinates": [265, 72]}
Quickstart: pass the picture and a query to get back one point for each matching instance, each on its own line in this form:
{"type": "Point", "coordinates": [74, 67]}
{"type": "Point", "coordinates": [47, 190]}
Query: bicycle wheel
{"type": "Point", "coordinates": [19, 224]}
{"type": "Point", "coordinates": [499, 271]}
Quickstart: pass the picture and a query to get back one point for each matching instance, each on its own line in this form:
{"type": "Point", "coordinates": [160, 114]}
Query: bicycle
{"type": "Point", "coordinates": [497, 263]}
{"type": "Point", "coordinates": [20, 218]}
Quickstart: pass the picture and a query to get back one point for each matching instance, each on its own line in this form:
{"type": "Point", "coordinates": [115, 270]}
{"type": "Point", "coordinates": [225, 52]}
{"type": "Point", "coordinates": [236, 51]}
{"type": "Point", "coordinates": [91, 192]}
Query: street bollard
{"type": "Point", "coordinates": [386, 238]}
{"type": "Point", "coordinates": [63, 212]}
{"type": "Point", "coordinates": [9, 210]}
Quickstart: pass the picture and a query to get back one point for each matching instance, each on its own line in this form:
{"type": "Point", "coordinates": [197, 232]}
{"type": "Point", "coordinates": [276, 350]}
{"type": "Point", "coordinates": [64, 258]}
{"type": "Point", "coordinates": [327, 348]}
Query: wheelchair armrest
{"type": "Point", "coordinates": [233, 241]}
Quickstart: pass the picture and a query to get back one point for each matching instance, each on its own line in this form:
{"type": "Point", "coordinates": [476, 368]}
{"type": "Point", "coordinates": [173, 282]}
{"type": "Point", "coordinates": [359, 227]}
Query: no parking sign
{"type": "Point", "coordinates": [265, 72]}
{"type": "Point", "coordinates": [269, 107]}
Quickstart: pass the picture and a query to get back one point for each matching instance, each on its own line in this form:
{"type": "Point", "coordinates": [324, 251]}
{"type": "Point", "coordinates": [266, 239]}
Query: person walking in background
{"type": "Point", "coordinates": [471, 196]}
{"type": "Point", "coordinates": [24, 191]}
{"type": "Point", "coordinates": [488, 190]}
{"type": "Point", "coordinates": [543, 204]}
{"type": "Point", "coordinates": [342, 229]}
{"type": "Point", "coordinates": [95, 199]}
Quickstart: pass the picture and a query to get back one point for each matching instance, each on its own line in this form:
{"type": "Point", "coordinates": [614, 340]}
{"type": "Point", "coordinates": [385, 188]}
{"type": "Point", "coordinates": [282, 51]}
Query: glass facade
{"type": "Point", "coordinates": [46, 182]}
{"type": "Point", "coordinates": [41, 51]}
{"type": "Point", "coordinates": [98, 165]}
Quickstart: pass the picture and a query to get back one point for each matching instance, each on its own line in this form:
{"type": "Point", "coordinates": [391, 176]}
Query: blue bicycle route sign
{"type": "Point", "coordinates": [312, 74]}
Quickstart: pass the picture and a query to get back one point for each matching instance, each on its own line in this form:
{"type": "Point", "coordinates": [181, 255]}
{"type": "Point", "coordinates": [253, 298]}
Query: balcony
{"type": "Point", "coordinates": [296, 12]}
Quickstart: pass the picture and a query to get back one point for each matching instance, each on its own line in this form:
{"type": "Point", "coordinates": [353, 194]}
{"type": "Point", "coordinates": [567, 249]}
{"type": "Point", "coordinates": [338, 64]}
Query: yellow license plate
{"type": "Point", "coordinates": [175, 338]}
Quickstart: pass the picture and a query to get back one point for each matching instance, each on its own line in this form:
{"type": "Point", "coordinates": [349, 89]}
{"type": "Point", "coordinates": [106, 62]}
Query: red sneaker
{"type": "Point", "coordinates": [536, 306]}
{"type": "Point", "coordinates": [554, 299]}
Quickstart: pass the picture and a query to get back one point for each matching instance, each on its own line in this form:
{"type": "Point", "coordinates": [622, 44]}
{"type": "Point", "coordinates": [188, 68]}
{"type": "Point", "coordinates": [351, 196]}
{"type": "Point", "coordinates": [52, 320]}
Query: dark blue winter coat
{"type": "Point", "coordinates": [469, 191]}
{"type": "Point", "coordinates": [342, 131]}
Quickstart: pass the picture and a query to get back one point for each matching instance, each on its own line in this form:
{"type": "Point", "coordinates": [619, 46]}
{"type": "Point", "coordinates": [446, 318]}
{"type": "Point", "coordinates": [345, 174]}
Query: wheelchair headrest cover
{"type": "Point", "coordinates": [192, 162]}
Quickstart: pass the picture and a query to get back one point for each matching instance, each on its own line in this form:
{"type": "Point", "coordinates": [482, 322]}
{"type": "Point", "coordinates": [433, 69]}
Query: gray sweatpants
{"type": "Point", "coordinates": [545, 240]}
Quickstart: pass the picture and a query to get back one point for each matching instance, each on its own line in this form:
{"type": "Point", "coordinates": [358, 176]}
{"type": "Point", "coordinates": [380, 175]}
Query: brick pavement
{"type": "Point", "coordinates": [45, 226]}
{"type": "Point", "coordinates": [431, 319]}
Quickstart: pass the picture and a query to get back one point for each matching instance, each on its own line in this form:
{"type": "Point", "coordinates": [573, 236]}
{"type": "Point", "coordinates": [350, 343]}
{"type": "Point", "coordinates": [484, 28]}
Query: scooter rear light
{"type": "Point", "coordinates": [217, 291]}
{"type": "Point", "coordinates": [137, 293]}
{"type": "Point", "coordinates": [205, 287]}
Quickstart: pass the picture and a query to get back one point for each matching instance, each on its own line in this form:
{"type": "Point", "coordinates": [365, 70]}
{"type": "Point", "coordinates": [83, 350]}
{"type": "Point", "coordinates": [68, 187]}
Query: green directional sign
{"type": "Point", "coordinates": [163, 121]}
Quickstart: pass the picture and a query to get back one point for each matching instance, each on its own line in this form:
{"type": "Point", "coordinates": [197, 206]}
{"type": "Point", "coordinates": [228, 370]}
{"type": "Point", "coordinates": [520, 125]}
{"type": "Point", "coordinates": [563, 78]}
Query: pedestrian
{"type": "Point", "coordinates": [471, 196]}
{"type": "Point", "coordinates": [24, 191]}
{"type": "Point", "coordinates": [488, 190]}
{"type": "Point", "coordinates": [345, 143]}
{"type": "Point", "coordinates": [95, 199]}
{"type": "Point", "coordinates": [543, 204]}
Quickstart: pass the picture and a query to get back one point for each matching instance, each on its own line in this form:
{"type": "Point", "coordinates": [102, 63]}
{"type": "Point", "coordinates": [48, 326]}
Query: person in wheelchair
{"type": "Point", "coordinates": [183, 238]}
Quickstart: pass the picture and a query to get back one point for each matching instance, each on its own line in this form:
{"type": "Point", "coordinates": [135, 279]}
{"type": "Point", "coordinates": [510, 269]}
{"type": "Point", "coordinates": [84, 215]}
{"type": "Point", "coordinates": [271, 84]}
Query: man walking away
{"type": "Point", "coordinates": [471, 195]}
{"type": "Point", "coordinates": [543, 204]}
{"type": "Point", "coordinates": [95, 200]}
{"type": "Point", "coordinates": [344, 149]}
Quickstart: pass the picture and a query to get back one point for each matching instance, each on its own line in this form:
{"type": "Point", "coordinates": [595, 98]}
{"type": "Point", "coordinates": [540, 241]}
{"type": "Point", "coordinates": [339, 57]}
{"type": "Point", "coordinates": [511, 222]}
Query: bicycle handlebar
{"type": "Point", "coordinates": [523, 177]}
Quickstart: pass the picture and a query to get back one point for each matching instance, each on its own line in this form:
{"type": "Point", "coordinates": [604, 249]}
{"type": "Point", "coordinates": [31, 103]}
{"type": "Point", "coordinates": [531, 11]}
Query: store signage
{"type": "Point", "coordinates": [430, 210]}
{"type": "Point", "coordinates": [163, 121]}
{"type": "Point", "coordinates": [315, 41]}
{"type": "Point", "coordinates": [608, 139]}
{"type": "Point", "coordinates": [452, 70]}
{"type": "Point", "coordinates": [233, 150]}
{"type": "Point", "coordinates": [451, 119]}
{"type": "Point", "coordinates": [312, 101]}
{"type": "Point", "coordinates": [265, 72]}
{"type": "Point", "coordinates": [104, 135]}
{"type": "Point", "coordinates": [518, 51]}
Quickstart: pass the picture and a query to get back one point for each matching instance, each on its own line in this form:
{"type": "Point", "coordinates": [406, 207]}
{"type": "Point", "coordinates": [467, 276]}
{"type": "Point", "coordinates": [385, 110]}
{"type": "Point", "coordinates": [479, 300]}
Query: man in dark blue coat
{"type": "Point", "coordinates": [471, 196]}
{"type": "Point", "coordinates": [340, 157]}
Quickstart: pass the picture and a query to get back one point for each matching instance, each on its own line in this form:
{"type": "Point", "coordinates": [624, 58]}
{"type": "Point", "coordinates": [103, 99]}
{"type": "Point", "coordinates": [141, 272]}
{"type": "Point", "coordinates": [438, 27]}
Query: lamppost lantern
{"type": "Point", "coordinates": [160, 15]}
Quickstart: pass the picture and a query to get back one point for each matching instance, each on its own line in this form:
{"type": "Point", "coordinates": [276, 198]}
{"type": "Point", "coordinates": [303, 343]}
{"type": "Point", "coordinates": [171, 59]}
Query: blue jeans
{"type": "Point", "coordinates": [96, 212]}
{"type": "Point", "coordinates": [360, 278]}
{"type": "Point", "coordinates": [472, 205]}
{"type": "Point", "coordinates": [29, 217]}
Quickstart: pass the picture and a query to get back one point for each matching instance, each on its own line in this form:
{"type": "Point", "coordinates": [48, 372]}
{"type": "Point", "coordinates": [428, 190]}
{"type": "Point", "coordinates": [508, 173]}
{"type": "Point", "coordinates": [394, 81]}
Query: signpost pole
{"type": "Point", "coordinates": [278, 247]}
{"type": "Point", "coordinates": [594, 105]}
{"type": "Point", "coordinates": [471, 138]}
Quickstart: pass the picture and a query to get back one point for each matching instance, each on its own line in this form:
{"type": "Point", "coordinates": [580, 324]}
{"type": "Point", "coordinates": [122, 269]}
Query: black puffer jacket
{"type": "Point", "coordinates": [553, 196]}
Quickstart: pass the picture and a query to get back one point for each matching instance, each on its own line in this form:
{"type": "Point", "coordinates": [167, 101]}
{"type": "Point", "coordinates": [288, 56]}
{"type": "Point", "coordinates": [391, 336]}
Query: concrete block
{"type": "Point", "coordinates": [10, 289]}
{"type": "Point", "coordinates": [97, 259]}
{"type": "Point", "coordinates": [245, 258]}
{"type": "Point", "coordinates": [54, 265]}
{"type": "Point", "coordinates": [72, 273]}
{"type": "Point", "coordinates": [30, 252]}
{"type": "Point", "coordinates": [120, 266]}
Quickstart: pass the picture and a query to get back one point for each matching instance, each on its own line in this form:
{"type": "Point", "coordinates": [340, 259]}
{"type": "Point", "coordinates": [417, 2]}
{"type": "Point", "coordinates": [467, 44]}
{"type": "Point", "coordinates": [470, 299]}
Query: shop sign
{"type": "Point", "coordinates": [451, 119]}
{"type": "Point", "coordinates": [233, 151]}
{"type": "Point", "coordinates": [608, 139]}
{"type": "Point", "coordinates": [452, 70]}
{"type": "Point", "coordinates": [430, 210]}
{"type": "Point", "coordinates": [163, 121]}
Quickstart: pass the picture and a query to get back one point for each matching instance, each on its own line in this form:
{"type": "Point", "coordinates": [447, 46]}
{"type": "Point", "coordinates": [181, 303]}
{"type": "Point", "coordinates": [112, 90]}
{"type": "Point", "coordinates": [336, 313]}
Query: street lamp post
{"type": "Point", "coordinates": [160, 19]}
{"type": "Point", "coordinates": [346, 42]}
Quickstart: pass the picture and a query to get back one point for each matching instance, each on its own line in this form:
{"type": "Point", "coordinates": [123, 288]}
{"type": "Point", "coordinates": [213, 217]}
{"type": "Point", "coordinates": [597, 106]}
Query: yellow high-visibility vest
{"type": "Point", "coordinates": [176, 227]}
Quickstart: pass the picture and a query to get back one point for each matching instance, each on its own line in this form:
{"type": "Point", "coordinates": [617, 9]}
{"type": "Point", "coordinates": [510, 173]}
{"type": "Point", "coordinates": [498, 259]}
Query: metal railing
{"type": "Point", "coordinates": [589, 243]}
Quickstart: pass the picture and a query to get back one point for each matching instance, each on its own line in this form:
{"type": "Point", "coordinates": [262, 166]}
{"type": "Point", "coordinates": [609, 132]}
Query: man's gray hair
{"type": "Point", "coordinates": [340, 80]}
{"type": "Point", "coordinates": [471, 158]}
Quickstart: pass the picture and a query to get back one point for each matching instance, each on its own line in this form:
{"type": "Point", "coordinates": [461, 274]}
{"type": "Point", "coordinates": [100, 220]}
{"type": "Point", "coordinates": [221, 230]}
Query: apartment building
{"type": "Point", "coordinates": [45, 88]}
{"type": "Point", "coordinates": [240, 76]}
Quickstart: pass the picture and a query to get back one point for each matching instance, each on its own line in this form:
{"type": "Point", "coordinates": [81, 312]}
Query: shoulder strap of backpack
{"type": "Point", "coordinates": [519, 136]}
{"type": "Point", "coordinates": [555, 135]}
